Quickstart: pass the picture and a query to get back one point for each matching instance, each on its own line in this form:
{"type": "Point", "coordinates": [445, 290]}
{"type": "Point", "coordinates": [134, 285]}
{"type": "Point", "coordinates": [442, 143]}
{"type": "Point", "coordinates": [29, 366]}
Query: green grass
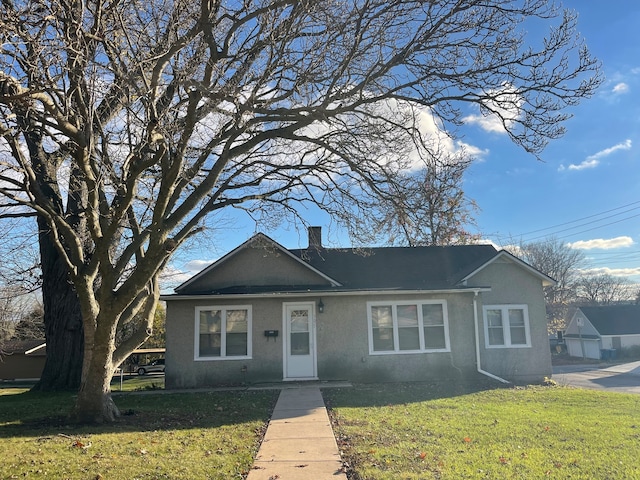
{"type": "Point", "coordinates": [130, 383]}
{"type": "Point", "coordinates": [160, 436]}
{"type": "Point", "coordinates": [136, 382]}
{"type": "Point", "coordinates": [422, 432]}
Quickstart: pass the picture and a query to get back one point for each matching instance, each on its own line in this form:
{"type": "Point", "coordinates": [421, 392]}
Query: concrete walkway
{"type": "Point", "coordinates": [299, 443]}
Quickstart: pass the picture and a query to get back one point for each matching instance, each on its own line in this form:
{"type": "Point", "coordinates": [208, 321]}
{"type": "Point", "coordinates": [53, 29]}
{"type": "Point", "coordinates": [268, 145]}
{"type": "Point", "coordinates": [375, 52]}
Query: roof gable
{"type": "Point", "coordinates": [504, 255]}
{"type": "Point", "coordinates": [258, 262]}
{"type": "Point", "coordinates": [614, 319]}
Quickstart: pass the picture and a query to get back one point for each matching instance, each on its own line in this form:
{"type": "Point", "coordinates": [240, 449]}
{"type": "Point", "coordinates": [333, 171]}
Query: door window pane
{"type": "Point", "coordinates": [300, 343]}
{"type": "Point", "coordinates": [299, 337]}
{"type": "Point", "coordinates": [299, 321]}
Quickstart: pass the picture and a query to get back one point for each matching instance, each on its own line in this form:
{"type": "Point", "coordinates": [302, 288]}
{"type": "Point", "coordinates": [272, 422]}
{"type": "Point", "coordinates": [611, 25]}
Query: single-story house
{"type": "Point", "coordinates": [264, 313]}
{"type": "Point", "coordinates": [602, 328]}
{"type": "Point", "coordinates": [22, 359]}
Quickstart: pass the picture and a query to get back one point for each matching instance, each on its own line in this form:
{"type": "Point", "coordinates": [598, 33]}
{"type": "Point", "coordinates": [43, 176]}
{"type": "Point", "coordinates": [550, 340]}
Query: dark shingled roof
{"type": "Point", "coordinates": [359, 269]}
{"type": "Point", "coordinates": [614, 319]}
{"type": "Point", "coordinates": [411, 268]}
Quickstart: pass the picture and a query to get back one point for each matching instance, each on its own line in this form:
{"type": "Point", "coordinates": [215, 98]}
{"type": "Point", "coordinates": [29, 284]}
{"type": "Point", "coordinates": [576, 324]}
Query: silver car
{"type": "Point", "coordinates": [155, 366]}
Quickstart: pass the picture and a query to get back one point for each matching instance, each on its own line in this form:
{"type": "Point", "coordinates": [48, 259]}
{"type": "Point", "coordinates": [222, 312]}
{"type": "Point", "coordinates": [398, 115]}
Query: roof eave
{"type": "Point", "coordinates": [326, 293]}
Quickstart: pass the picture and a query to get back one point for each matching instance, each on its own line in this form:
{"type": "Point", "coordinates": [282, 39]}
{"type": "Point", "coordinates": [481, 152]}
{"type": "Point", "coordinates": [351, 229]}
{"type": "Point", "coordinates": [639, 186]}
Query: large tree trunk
{"type": "Point", "coordinates": [94, 403]}
{"type": "Point", "coordinates": [62, 320]}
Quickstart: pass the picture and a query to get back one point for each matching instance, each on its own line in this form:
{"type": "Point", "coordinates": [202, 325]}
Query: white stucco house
{"type": "Point", "coordinates": [265, 313]}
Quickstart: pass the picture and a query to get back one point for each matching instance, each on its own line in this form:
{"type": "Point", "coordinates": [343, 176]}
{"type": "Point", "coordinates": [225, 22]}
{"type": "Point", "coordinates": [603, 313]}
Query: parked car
{"type": "Point", "coordinates": [155, 366]}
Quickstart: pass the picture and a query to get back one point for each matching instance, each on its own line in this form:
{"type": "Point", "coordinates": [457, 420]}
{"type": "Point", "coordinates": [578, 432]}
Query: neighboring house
{"type": "Point", "coordinates": [22, 359]}
{"type": "Point", "coordinates": [264, 313]}
{"type": "Point", "coordinates": [609, 327]}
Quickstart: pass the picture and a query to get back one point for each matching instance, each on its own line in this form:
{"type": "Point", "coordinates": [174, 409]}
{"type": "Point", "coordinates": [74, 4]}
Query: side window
{"type": "Point", "coordinates": [223, 332]}
{"type": "Point", "coordinates": [506, 326]}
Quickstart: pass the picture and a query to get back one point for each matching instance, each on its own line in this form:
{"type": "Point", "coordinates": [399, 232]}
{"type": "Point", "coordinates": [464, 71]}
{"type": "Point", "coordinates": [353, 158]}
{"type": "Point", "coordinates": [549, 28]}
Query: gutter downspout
{"type": "Point", "coordinates": [475, 324]}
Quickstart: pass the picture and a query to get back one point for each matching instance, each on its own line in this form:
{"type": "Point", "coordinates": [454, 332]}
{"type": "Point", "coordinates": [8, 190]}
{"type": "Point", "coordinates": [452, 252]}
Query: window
{"type": "Point", "coordinates": [408, 327]}
{"type": "Point", "coordinates": [223, 332]}
{"type": "Point", "coordinates": [506, 326]}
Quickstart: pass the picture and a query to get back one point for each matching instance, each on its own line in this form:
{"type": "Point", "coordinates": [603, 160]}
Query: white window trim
{"type": "Point", "coordinates": [394, 306]}
{"type": "Point", "coordinates": [506, 330]}
{"type": "Point", "coordinates": [196, 341]}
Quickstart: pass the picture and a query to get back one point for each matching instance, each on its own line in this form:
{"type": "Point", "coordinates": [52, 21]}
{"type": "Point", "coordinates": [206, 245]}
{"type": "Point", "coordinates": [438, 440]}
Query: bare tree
{"type": "Point", "coordinates": [16, 309]}
{"type": "Point", "coordinates": [562, 263]}
{"type": "Point", "coordinates": [431, 208]}
{"type": "Point", "coordinates": [8, 315]}
{"type": "Point", "coordinates": [151, 115]}
{"type": "Point", "coordinates": [604, 289]}
{"type": "Point", "coordinates": [31, 325]}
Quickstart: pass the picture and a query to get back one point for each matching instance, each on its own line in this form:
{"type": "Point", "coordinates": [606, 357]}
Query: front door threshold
{"type": "Point", "coordinates": [303, 379]}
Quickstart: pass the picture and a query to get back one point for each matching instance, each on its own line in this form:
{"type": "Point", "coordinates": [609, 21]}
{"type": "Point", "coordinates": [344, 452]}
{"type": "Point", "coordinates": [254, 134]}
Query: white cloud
{"type": "Point", "coordinates": [172, 277]}
{"type": "Point", "coordinates": [614, 272]}
{"type": "Point", "coordinates": [510, 248]}
{"type": "Point", "coordinates": [593, 161]}
{"type": "Point", "coordinates": [489, 123]}
{"type": "Point", "coordinates": [503, 109]}
{"type": "Point", "coordinates": [433, 132]}
{"type": "Point", "coordinates": [620, 88]}
{"type": "Point", "coordinates": [195, 266]}
{"type": "Point", "coordinates": [588, 163]}
{"type": "Point", "coordinates": [602, 243]}
{"type": "Point", "coordinates": [472, 150]}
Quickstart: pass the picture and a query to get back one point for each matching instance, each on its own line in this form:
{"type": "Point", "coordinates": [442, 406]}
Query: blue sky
{"type": "Point", "coordinates": [586, 189]}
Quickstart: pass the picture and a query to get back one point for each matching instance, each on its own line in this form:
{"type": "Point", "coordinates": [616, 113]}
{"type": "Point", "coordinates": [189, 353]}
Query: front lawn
{"type": "Point", "coordinates": [422, 431]}
{"type": "Point", "coordinates": [174, 436]}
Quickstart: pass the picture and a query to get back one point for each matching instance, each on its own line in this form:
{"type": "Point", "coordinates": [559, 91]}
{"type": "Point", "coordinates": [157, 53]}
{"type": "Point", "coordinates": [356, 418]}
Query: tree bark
{"type": "Point", "coordinates": [62, 319]}
{"type": "Point", "coordinates": [94, 404]}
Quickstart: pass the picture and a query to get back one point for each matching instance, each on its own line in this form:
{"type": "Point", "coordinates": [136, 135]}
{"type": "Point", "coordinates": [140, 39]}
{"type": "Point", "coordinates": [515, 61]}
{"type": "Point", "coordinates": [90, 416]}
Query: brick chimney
{"type": "Point", "coordinates": [315, 238]}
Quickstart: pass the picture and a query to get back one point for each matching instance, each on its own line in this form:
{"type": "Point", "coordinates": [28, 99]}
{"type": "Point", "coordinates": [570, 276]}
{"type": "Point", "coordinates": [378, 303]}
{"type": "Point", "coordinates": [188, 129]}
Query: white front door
{"type": "Point", "coordinates": [299, 341]}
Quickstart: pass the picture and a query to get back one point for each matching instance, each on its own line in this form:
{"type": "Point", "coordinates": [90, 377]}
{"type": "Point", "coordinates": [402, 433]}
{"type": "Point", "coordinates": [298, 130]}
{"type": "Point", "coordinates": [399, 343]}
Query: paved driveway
{"type": "Point", "coordinates": [617, 378]}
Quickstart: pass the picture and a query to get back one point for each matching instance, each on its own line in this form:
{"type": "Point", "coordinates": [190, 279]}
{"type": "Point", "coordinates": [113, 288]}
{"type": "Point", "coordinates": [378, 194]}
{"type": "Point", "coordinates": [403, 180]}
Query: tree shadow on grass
{"type": "Point", "coordinates": [38, 413]}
